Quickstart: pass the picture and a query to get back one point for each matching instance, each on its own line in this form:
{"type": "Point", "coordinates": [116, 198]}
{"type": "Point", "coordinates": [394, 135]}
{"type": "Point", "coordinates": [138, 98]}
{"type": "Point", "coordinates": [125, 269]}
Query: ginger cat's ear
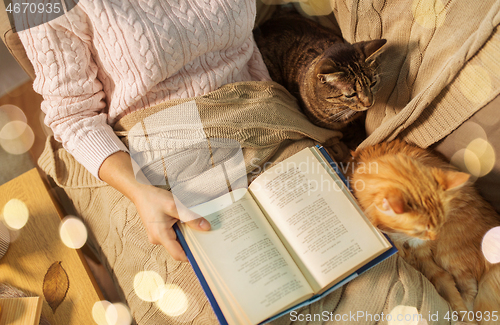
{"type": "Point", "coordinates": [454, 180]}
{"type": "Point", "coordinates": [392, 204]}
{"type": "Point", "coordinates": [396, 201]}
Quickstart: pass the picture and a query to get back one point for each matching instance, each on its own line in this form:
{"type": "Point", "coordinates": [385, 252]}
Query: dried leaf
{"type": "Point", "coordinates": [55, 285]}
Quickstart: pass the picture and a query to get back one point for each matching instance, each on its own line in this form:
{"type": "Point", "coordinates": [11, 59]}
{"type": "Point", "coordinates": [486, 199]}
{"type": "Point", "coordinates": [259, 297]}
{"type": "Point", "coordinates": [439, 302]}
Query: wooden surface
{"type": "Point", "coordinates": [20, 311]}
{"type": "Point", "coordinates": [37, 246]}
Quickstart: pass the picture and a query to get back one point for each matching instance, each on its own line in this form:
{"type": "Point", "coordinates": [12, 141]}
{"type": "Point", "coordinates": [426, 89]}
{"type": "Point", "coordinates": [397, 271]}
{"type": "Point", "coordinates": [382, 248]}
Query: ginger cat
{"type": "Point", "coordinates": [436, 219]}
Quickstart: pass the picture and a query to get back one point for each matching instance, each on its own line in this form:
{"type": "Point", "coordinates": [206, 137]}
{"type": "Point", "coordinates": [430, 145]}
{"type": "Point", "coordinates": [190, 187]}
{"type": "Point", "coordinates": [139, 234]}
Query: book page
{"type": "Point", "coordinates": [232, 310]}
{"type": "Point", "coordinates": [249, 258]}
{"type": "Point", "coordinates": [315, 218]}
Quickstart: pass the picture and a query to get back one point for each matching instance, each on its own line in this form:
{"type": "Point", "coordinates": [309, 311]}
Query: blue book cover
{"type": "Point", "coordinates": [215, 305]}
{"type": "Point", "coordinates": [201, 278]}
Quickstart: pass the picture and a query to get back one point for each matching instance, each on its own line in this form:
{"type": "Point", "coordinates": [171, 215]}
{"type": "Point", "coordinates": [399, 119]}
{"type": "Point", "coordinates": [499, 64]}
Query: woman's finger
{"type": "Point", "coordinates": [193, 220]}
{"type": "Point", "coordinates": [169, 240]}
{"type": "Point", "coordinates": [199, 224]}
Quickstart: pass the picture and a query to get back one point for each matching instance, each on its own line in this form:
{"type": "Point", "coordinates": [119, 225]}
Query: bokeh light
{"type": "Point", "coordinates": [477, 159]}
{"type": "Point", "coordinates": [458, 161]}
{"type": "Point", "coordinates": [481, 151]}
{"type": "Point", "coordinates": [99, 312]}
{"type": "Point", "coordinates": [148, 285]}
{"type": "Point", "coordinates": [466, 133]}
{"type": "Point", "coordinates": [106, 313]}
{"type": "Point", "coordinates": [12, 130]}
{"type": "Point", "coordinates": [472, 163]}
{"type": "Point", "coordinates": [118, 314]}
{"type": "Point", "coordinates": [475, 83]}
{"type": "Point", "coordinates": [173, 301]}
{"type": "Point", "coordinates": [16, 137]}
{"type": "Point", "coordinates": [15, 214]}
{"type": "Point", "coordinates": [491, 245]}
{"type": "Point", "coordinates": [169, 298]}
{"type": "Point", "coordinates": [73, 232]}
{"type": "Point", "coordinates": [310, 7]}
{"type": "Point", "coordinates": [111, 315]}
{"type": "Point", "coordinates": [428, 13]}
{"type": "Point", "coordinates": [405, 315]}
{"type": "Point", "coordinates": [9, 113]}
{"type": "Point", "coordinates": [316, 7]}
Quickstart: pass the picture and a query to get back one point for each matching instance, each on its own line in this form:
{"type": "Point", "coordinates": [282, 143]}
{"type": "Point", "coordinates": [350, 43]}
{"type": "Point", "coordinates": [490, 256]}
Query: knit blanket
{"type": "Point", "coordinates": [228, 135]}
{"type": "Point", "coordinates": [266, 122]}
{"type": "Point", "coordinates": [440, 64]}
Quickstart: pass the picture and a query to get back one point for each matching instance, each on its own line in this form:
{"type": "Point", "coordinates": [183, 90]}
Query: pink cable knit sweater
{"type": "Point", "coordinates": [107, 58]}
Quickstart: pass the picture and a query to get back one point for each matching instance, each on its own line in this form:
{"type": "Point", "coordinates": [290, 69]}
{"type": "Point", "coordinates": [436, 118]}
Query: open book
{"type": "Point", "coordinates": [296, 234]}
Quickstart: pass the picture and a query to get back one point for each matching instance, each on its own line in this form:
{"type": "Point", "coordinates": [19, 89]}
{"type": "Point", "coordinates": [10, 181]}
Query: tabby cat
{"type": "Point", "coordinates": [434, 216]}
{"type": "Point", "coordinates": [332, 80]}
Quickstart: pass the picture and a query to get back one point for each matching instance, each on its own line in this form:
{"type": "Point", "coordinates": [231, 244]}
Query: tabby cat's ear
{"type": "Point", "coordinates": [454, 180]}
{"type": "Point", "coordinates": [329, 77]}
{"type": "Point", "coordinates": [369, 48]}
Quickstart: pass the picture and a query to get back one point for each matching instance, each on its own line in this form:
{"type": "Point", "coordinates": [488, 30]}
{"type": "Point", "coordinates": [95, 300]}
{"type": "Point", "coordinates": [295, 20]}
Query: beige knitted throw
{"type": "Point", "coordinates": [265, 119]}
{"type": "Point", "coordinates": [242, 126]}
{"type": "Point", "coordinates": [440, 65]}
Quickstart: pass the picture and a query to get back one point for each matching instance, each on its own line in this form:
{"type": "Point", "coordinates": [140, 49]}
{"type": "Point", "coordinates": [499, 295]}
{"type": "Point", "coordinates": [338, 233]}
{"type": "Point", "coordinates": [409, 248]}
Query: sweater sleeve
{"type": "Point", "coordinates": [66, 77]}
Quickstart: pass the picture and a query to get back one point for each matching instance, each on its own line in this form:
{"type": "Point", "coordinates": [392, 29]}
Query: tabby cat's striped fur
{"type": "Point", "coordinates": [332, 80]}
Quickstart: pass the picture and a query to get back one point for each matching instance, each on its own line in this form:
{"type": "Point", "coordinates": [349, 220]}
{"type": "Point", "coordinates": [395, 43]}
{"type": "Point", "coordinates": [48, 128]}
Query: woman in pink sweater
{"type": "Point", "coordinates": [107, 58]}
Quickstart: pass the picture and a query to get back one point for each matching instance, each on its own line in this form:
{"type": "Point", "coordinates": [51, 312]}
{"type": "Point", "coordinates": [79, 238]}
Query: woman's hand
{"type": "Point", "coordinates": [159, 212]}
{"type": "Point", "coordinates": [158, 209]}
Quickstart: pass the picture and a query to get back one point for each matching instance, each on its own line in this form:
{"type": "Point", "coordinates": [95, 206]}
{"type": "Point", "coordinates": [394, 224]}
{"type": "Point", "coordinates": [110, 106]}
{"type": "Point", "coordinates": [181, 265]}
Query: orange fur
{"type": "Point", "coordinates": [435, 218]}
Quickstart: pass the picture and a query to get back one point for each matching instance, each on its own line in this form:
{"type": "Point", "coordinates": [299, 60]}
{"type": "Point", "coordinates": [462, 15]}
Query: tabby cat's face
{"type": "Point", "coordinates": [345, 79]}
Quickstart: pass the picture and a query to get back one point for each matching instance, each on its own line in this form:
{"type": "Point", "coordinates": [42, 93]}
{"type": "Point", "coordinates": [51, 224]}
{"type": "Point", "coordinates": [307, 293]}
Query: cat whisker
{"type": "Point", "coordinates": [378, 75]}
{"type": "Point", "coordinates": [342, 112]}
{"type": "Point", "coordinates": [336, 118]}
{"type": "Point", "coordinates": [342, 115]}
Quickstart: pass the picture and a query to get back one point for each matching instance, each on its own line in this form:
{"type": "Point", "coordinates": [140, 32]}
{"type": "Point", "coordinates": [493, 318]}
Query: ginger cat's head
{"type": "Point", "coordinates": [403, 196]}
